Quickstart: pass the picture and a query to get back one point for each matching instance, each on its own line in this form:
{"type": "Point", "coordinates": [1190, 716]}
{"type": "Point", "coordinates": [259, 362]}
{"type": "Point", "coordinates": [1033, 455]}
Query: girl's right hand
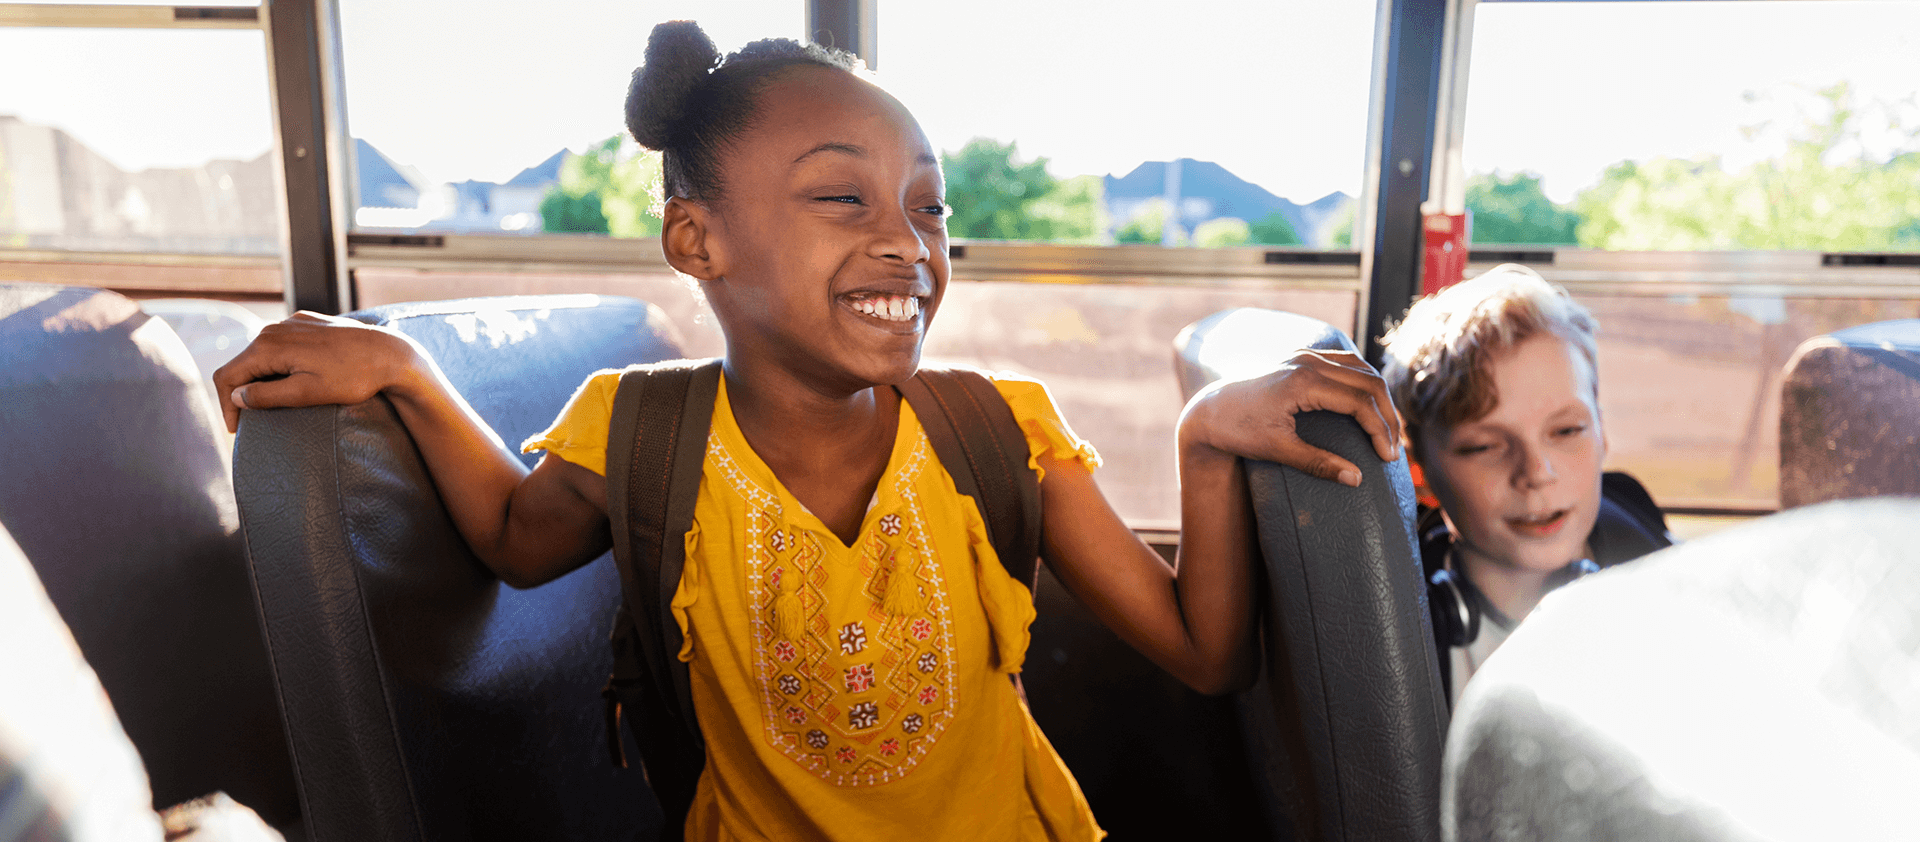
{"type": "Point", "coordinates": [310, 359]}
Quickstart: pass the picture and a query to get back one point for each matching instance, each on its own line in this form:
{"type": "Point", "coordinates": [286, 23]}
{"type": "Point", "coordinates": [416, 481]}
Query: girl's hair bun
{"type": "Point", "coordinates": [679, 57]}
{"type": "Point", "coordinates": [688, 103]}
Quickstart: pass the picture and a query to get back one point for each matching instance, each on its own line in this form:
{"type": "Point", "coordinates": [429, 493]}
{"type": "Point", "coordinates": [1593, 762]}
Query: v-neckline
{"type": "Point", "coordinates": [905, 436]}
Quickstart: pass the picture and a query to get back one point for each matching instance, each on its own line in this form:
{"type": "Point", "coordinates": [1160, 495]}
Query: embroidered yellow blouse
{"type": "Point", "coordinates": [839, 703]}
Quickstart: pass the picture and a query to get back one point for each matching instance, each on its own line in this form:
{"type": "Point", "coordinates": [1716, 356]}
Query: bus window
{"type": "Point", "coordinates": [136, 140]}
{"type": "Point", "coordinates": [1225, 124]}
{"type": "Point", "coordinates": [1711, 226]}
{"type": "Point", "coordinates": [466, 118]}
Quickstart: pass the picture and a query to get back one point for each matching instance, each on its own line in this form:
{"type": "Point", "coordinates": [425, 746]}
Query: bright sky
{"type": "Point", "coordinates": [1275, 91]}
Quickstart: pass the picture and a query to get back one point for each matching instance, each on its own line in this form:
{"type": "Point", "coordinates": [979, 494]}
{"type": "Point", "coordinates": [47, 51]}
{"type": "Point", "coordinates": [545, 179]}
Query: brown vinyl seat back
{"type": "Point", "coordinates": [425, 699]}
{"type": "Point", "coordinates": [1345, 725]}
{"type": "Point", "coordinates": [117, 488]}
{"type": "Point", "coordinates": [1850, 415]}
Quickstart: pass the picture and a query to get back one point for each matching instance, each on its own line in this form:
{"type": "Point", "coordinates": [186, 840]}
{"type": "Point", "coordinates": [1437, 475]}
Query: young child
{"type": "Point", "coordinates": [809, 205]}
{"type": "Point", "coordinates": [1497, 383]}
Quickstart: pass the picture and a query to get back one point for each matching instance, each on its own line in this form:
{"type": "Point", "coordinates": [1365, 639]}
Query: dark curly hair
{"type": "Point", "coordinates": [688, 102]}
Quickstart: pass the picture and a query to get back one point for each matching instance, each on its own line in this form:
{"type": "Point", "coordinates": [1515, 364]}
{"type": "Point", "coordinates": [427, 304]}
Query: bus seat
{"type": "Point", "coordinates": [1762, 682]}
{"type": "Point", "coordinates": [1847, 422]}
{"type": "Point", "coordinates": [119, 492]}
{"type": "Point", "coordinates": [213, 331]}
{"type": "Point", "coordinates": [1347, 719]}
{"type": "Point", "coordinates": [425, 699]}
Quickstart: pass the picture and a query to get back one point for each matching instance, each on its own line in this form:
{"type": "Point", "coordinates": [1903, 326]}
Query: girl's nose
{"type": "Point", "coordinates": [896, 238]}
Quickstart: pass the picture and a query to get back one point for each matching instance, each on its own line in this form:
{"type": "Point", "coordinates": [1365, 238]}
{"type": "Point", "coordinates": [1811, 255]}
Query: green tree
{"type": "Point", "coordinates": [1824, 191]}
{"type": "Point", "coordinates": [1274, 230]}
{"type": "Point", "coordinates": [1513, 210]}
{"type": "Point", "coordinates": [996, 197]}
{"type": "Point", "coordinates": [1343, 229]}
{"type": "Point", "coordinates": [1222, 232]}
{"type": "Point", "coordinates": [612, 188]}
{"type": "Point", "coordinates": [1146, 225]}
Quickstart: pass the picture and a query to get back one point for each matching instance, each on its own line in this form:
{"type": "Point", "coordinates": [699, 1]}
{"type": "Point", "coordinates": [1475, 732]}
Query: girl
{"type": "Point", "coordinates": [808, 204]}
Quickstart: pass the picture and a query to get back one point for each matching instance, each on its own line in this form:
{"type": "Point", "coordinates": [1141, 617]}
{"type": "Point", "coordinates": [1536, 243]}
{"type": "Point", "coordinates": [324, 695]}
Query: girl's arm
{"type": "Point", "coordinates": [1195, 619]}
{"type": "Point", "coordinates": [527, 527]}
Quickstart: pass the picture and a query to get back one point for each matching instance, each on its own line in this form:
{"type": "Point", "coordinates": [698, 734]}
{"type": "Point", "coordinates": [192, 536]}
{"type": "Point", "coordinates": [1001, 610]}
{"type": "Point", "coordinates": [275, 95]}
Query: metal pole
{"type": "Point", "coordinates": [851, 25]}
{"type": "Point", "coordinates": [303, 61]}
{"type": "Point", "coordinates": [1406, 100]}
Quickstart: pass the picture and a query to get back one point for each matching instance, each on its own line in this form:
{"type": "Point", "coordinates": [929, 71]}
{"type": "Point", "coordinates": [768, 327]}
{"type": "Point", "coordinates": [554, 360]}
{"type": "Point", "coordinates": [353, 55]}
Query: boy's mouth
{"type": "Point", "coordinates": [885, 307]}
{"type": "Point", "coordinates": [1540, 525]}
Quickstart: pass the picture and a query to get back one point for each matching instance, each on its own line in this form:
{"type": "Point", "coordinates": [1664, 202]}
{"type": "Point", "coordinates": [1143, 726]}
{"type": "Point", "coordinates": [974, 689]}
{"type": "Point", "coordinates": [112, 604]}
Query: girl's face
{"type": "Point", "coordinates": [831, 241]}
{"type": "Point", "coordinates": [1521, 486]}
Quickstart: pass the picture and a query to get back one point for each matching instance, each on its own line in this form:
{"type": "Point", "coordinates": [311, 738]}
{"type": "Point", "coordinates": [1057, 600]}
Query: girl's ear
{"type": "Point", "coordinates": [685, 237]}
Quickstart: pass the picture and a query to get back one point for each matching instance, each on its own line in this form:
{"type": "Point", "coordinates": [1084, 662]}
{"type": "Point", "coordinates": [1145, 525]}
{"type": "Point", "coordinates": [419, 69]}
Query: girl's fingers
{"type": "Point", "coordinates": [295, 390]}
{"type": "Point", "coordinates": [1320, 463]}
{"type": "Point", "coordinates": [1362, 395]}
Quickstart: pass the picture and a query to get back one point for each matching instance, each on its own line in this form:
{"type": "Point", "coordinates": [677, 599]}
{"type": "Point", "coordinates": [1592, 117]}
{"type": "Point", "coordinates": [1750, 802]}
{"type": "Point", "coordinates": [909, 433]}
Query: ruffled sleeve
{"type": "Point", "coordinates": [579, 435]}
{"type": "Point", "coordinates": [1047, 433]}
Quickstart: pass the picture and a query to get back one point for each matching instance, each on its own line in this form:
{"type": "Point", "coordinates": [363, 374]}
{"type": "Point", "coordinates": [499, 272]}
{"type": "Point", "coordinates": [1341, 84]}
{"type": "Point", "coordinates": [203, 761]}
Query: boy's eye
{"type": "Point", "coordinates": [1472, 449]}
{"type": "Point", "coordinates": [1570, 430]}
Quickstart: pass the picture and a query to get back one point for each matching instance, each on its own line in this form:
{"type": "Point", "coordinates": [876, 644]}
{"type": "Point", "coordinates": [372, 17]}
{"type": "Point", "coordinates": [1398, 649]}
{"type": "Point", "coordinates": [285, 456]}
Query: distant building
{"type": "Point", "coordinates": [397, 196]}
{"type": "Point", "coordinates": [56, 193]}
{"type": "Point", "coordinates": [1204, 190]}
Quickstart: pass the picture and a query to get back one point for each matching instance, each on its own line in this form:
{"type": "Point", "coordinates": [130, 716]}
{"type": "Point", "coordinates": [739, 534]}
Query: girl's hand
{"type": "Point", "coordinates": [311, 359]}
{"type": "Point", "coordinates": [1255, 418]}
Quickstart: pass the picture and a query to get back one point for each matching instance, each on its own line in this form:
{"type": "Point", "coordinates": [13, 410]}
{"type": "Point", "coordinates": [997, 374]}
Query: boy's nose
{"type": "Point", "coordinates": [1536, 468]}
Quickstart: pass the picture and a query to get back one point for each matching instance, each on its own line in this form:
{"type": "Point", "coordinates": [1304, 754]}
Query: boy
{"type": "Point", "coordinates": [1497, 383]}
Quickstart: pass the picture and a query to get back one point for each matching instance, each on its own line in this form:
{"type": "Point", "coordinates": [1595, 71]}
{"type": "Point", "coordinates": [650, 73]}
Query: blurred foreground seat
{"type": "Point", "coordinates": [1850, 415]}
{"type": "Point", "coordinates": [425, 699]}
{"type": "Point", "coordinates": [1759, 683]}
{"type": "Point", "coordinates": [117, 489]}
{"type": "Point", "coordinates": [1344, 728]}
{"type": "Point", "coordinates": [68, 773]}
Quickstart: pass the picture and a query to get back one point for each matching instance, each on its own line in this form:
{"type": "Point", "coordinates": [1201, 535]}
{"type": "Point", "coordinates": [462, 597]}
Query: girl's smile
{"type": "Point", "coordinates": [827, 258]}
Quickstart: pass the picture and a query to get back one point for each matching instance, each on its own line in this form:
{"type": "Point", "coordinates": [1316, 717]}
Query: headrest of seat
{"type": "Point", "coordinates": [556, 339]}
{"type": "Point", "coordinates": [1847, 425]}
{"type": "Point", "coordinates": [1759, 682]}
{"type": "Point", "coordinates": [1246, 342]}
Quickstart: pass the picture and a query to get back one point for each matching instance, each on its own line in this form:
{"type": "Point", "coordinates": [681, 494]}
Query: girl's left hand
{"type": "Point", "coordinates": [1255, 418]}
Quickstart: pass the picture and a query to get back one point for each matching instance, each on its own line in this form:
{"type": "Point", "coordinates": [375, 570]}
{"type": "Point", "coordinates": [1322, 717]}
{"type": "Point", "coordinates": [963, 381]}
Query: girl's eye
{"type": "Point", "coordinates": [1472, 449]}
{"type": "Point", "coordinates": [1570, 430]}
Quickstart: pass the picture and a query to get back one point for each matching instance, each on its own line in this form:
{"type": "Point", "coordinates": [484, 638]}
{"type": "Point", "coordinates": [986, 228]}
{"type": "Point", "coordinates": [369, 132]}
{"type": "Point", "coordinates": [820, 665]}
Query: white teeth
{"type": "Point", "coordinates": [891, 308]}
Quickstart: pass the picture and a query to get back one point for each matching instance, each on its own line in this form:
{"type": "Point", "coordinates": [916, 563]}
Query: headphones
{"type": "Point", "coordinates": [1458, 606]}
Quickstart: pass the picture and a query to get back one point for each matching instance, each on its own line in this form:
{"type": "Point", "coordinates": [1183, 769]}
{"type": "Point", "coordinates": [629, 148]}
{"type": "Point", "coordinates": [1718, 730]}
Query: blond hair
{"type": "Point", "coordinates": [1437, 357]}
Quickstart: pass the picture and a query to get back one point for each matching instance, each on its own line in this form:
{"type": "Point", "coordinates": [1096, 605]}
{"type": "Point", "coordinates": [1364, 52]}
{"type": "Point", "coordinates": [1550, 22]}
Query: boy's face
{"type": "Point", "coordinates": [833, 232]}
{"type": "Point", "coordinates": [1521, 486]}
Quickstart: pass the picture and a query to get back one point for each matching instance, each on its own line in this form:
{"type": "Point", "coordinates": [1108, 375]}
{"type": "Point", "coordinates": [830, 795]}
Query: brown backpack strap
{"type": "Point", "coordinates": [656, 446]}
{"type": "Point", "coordinates": [973, 432]}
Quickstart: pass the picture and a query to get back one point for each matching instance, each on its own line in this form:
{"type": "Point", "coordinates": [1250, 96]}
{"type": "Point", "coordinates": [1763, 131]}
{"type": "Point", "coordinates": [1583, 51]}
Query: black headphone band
{"type": "Point", "coordinates": [1455, 602]}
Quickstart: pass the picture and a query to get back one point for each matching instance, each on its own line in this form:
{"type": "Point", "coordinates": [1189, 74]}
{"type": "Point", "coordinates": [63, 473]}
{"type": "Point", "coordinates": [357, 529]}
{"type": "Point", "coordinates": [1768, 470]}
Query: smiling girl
{"type": "Point", "coordinates": [810, 207]}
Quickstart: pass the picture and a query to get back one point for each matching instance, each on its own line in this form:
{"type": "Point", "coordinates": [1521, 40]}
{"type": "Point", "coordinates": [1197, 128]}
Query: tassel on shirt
{"type": "Point", "coordinates": [903, 588]}
{"type": "Point", "coordinates": [787, 621]}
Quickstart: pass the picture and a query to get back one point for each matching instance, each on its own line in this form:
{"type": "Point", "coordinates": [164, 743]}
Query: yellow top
{"type": "Point", "coordinates": [838, 703]}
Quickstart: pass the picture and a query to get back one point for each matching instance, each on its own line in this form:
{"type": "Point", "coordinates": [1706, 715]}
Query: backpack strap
{"type": "Point", "coordinates": [973, 432]}
{"type": "Point", "coordinates": [656, 445]}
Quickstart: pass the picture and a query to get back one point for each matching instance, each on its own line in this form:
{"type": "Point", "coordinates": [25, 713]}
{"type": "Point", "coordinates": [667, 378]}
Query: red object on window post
{"type": "Point", "coordinates": [1445, 260]}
